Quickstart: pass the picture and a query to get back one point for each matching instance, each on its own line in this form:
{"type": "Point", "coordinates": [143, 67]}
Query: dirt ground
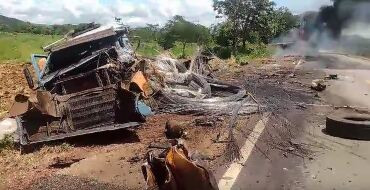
{"type": "Point", "coordinates": [113, 160]}
{"type": "Point", "coordinates": [12, 82]}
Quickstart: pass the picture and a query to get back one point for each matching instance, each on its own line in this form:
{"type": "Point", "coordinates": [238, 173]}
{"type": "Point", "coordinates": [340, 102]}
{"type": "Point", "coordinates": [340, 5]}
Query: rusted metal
{"type": "Point", "coordinates": [139, 83]}
{"type": "Point", "coordinates": [176, 171]}
{"type": "Point", "coordinates": [20, 106]}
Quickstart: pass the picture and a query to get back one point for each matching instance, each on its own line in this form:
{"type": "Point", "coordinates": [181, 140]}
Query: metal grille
{"type": "Point", "coordinates": [93, 110]}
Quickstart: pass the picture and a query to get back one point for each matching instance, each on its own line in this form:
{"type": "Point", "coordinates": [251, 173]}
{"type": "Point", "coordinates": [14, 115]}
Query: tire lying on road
{"type": "Point", "coordinates": [349, 125]}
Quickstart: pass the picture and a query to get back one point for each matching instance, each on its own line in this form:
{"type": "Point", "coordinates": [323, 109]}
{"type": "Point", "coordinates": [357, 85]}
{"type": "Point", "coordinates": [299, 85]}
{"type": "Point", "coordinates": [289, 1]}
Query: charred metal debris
{"type": "Point", "coordinates": [94, 82]}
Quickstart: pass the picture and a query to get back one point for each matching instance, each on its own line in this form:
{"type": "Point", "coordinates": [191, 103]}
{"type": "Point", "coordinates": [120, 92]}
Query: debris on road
{"type": "Point", "coordinates": [332, 77]}
{"type": "Point", "coordinates": [318, 85]}
{"type": "Point", "coordinates": [176, 171]}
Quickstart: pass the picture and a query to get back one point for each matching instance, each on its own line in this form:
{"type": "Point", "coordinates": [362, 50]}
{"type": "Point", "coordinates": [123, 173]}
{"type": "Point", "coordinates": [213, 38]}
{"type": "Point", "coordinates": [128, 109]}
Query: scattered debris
{"type": "Point", "coordinates": [207, 121]}
{"type": "Point", "coordinates": [318, 85]}
{"type": "Point", "coordinates": [332, 77]}
{"type": "Point", "coordinates": [64, 162]}
{"type": "Point", "coordinates": [174, 129]}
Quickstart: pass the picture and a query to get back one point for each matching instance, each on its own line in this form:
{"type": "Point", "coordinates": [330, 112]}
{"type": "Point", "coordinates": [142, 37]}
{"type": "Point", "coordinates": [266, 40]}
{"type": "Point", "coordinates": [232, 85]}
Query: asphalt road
{"type": "Point", "coordinates": [332, 163]}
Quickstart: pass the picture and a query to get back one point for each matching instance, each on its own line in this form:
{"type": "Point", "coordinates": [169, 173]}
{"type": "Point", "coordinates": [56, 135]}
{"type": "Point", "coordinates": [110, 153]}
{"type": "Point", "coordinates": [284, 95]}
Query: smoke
{"type": "Point", "coordinates": [343, 27]}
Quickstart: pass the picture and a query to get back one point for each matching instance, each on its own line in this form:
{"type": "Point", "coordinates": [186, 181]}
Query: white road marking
{"type": "Point", "coordinates": [232, 173]}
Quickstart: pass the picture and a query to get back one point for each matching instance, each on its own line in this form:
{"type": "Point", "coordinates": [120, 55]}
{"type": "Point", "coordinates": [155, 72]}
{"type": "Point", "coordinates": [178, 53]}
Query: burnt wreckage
{"type": "Point", "coordinates": [93, 82]}
{"type": "Point", "coordinates": [83, 86]}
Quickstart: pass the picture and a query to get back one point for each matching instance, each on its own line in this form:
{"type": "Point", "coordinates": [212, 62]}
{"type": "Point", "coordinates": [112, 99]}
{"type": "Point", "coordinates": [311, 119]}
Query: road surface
{"type": "Point", "coordinates": [334, 163]}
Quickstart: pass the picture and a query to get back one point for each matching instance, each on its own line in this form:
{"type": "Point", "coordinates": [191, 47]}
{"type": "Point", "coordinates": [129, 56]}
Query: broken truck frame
{"type": "Point", "coordinates": [82, 87]}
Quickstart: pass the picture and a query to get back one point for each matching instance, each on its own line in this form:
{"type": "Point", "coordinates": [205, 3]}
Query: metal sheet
{"type": "Point", "coordinates": [139, 81]}
{"type": "Point", "coordinates": [20, 106]}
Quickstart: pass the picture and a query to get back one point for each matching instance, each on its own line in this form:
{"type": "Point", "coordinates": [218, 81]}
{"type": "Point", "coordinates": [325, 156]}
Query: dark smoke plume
{"type": "Point", "coordinates": [342, 14]}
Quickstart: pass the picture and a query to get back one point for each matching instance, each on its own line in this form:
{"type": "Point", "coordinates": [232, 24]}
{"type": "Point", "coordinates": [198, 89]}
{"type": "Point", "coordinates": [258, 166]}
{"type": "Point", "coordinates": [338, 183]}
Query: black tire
{"type": "Point", "coordinates": [349, 125]}
{"type": "Point", "coordinates": [28, 76]}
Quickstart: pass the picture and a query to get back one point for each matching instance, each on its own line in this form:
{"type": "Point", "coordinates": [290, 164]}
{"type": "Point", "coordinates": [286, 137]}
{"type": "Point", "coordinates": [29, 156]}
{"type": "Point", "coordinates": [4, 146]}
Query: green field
{"type": "Point", "coordinates": [19, 46]}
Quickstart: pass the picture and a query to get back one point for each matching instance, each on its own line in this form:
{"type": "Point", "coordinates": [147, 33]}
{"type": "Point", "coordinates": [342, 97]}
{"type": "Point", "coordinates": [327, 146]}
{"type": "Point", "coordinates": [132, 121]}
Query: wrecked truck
{"type": "Point", "coordinates": [85, 84]}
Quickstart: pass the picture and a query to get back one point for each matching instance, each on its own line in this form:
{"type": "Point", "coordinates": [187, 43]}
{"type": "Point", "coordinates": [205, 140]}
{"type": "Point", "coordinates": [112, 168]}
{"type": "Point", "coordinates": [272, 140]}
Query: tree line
{"type": "Point", "coordinates": [244, 22]}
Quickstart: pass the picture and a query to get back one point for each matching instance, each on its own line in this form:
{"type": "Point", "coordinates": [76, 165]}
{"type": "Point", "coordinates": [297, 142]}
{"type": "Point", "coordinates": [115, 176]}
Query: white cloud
{"type": "Point", "coordinates": [133, 12]}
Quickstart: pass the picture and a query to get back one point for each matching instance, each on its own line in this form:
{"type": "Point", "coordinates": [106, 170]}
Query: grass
{"type": "Point", "coordinates": [190, 50]}
{"type": "Point", "coordinates": [148, 49]}
{"type": "Point", "coordinates": [19, 46]}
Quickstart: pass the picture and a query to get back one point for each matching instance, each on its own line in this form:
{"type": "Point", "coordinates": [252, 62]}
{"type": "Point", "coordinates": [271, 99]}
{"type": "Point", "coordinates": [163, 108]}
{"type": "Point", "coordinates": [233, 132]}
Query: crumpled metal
{"type": "Point", "coordinates": [177, 172]}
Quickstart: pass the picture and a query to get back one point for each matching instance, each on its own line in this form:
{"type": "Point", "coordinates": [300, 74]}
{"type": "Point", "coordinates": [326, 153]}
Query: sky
{"type": "Point", "coordinates": [133, 12]}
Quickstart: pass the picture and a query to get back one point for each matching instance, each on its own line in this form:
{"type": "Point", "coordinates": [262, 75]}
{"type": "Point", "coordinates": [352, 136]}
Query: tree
{"type": "Point", "coordinates": [282, 21]}
{"type": "Point", "coordinates": [180, 30]}
{"type": "Point", "coordinates": [253, 20]}
{"type": "Point", "coordinates": [154, 30]}
{"type": "Point", "coordinates": [247, 17]}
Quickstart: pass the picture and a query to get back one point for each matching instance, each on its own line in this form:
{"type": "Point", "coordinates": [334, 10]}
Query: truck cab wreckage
{"type": "Point", "coordinates": [83, 86]}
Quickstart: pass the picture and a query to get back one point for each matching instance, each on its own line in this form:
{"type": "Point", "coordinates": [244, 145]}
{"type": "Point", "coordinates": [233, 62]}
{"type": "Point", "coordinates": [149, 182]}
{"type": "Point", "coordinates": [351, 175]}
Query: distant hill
{"type": "Point", "coordinates": [8, 24]}
{"type": "Point", "coordinates": [11, 22]}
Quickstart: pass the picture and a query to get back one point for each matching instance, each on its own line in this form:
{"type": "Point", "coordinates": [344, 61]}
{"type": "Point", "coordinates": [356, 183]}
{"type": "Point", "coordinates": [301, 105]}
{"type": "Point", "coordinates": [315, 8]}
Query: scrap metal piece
{"type": "Point", "coordinates": [20, 106]}
{"type": "Point", "coordinates": [139, 83]}
{"type": "Point", "coordinates": [177, 172]}
{"type": "Point", "coordinates": [83, 39]}
{"type": "Point", "coordinates": [46, 103]}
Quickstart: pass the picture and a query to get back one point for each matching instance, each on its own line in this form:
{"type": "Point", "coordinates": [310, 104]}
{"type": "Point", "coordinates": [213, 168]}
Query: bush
{"type": "Point", "coordinates": [251, 51]}
{"type": "Point", "coordinates": [222, 52]}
